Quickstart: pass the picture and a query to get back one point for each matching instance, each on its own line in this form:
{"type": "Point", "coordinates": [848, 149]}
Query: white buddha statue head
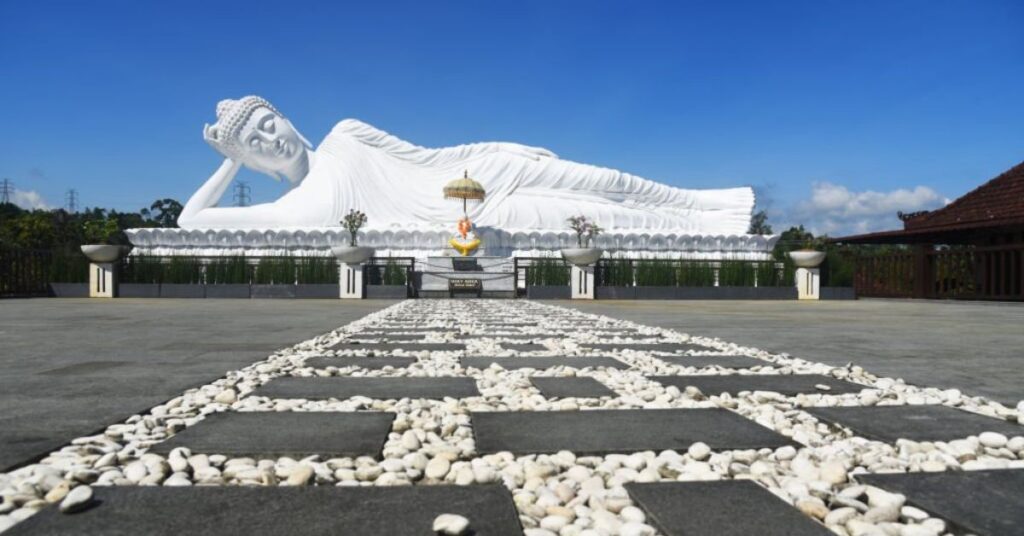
{"type": "Point", "coordinates": [252, 132]}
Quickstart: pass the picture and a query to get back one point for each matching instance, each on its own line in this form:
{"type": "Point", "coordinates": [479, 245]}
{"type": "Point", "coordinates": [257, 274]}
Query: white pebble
{"type": "Point", "coordinates": [451, 525]}
{"type": "Point", "coordinates": [76, 500]}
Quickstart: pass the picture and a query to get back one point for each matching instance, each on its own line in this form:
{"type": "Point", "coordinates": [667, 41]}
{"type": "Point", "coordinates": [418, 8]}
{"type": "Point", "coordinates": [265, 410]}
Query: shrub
{"type": "Point", "coordinates": [68, 267]}
{"type": "Point", "coordinates": [617, 273]}
{"type": "Point", "coordinates": [275, 271]}
{"type": "Point", "coordinates": [655, 273]}
{"type": "Point", "coordinates": [695, 274]}
{"type": "Point", "coordinates": [394, 274]}
{"type": "Point", "coordinates": [547, 272]}
{"type": "Point", "coordinates": [735, 274]}
{"type": "Point", "coordinates": [182, 270]}
{"type": "Point", "coordinates": [227, 271]}
{"type": "Point", "coordinates": [318, 270]}
{"type": "Point", "coordinates": [143, 269]}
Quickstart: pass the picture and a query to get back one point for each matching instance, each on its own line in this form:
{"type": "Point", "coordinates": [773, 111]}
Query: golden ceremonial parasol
{"type": "Point", "coordinates": [464, 189]}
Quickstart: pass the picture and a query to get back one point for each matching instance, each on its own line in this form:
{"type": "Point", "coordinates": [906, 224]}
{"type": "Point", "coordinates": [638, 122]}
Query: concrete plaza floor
{"type": "Point", "coordinates": [973, 346]}
{"type": "Point", "coordinates": [70, 367]}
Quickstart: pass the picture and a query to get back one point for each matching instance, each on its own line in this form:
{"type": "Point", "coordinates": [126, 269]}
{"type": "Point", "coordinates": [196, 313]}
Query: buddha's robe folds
{"type": "Point", "coordinates": [529, 189]}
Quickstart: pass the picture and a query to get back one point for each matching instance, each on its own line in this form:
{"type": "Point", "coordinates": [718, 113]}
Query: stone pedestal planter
{"type": "Point", "coordinates": [102, 277]}
{"type": "Point", "coordinates": [581, 276]}
{"type": "Point", "coordinates": [808, 275]}
{"type": "Point", "coordinates": [352, 254]}
{"type": "Point", "coordinates": [351, 278]}
{"type": "Point", "coordinates": [581, 256]}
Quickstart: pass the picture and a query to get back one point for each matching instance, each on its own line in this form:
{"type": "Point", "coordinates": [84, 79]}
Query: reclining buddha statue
{"type": "Point", "coordinates": [398, 184]}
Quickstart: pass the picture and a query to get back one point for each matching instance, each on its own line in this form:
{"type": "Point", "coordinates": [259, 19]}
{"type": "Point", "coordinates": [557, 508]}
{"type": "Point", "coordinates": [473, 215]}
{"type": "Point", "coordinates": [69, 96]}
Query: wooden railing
{"type": "Point", "coordinates": [973, 273]}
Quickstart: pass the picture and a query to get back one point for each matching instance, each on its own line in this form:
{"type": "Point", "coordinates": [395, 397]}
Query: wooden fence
{"type": "Point", "coordinates": [972, 273]}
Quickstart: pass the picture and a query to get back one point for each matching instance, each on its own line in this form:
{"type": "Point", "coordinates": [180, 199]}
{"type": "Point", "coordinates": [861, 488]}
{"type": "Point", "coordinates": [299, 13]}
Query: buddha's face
{"type": "Point", "coordinates": [271, 142]}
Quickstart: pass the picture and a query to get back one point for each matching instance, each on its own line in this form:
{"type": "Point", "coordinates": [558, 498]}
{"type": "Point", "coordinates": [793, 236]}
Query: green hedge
{"type": "Point", "coordinates": [317, 271]}
{"type": "Point", "coordinates": [275, 271]}
{"type": "Point", "coordinates": [695, 274]}
{"type": "Point", "coordinates": [68, 267]}
{"type": "Point", "coordinates": [675, 273]}
{"type": "Point", "coordinates": [228, 271]}
{"type": "Point", "coordinates": [547, 272]}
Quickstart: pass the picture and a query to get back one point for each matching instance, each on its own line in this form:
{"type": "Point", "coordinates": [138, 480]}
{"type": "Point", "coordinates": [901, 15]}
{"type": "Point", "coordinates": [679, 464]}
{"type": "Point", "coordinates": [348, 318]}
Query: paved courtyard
{"type": "Point", "coordinates": [69, 367]}
{"type": "Point", "coordinates": [503, 417]}
{"type": "Point", "coordinates": [977, 347]}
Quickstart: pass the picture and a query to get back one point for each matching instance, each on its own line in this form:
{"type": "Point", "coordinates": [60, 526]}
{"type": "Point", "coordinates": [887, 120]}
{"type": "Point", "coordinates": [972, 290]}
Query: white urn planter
{"type": "Point", "coordinates": [581, 256]}
{"type": "Point", "coordinates": [352, 254]}
{"type": "Point", "coordinates": [103, 252]}
{"type": "Point", "coordinates": [806, 258]}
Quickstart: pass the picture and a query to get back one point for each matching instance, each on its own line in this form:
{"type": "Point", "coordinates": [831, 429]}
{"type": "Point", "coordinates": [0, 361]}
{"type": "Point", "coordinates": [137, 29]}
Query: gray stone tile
{"type": "Point", "coordinates": [523, 346]}
{"type": "Point", "coordinates": [726, 508]}
{"type": "Point", "coordinates": [576, 386]}
{"type": "Point", "coordinates": [981, 502]}
{"type": "Point", "coordinates": [270, 511]}
{"type": "Point", "coordinates": [787, 384]}
{"type": "Point", "coordinates": [387, 347]}
{"type": "Point", "coordinates": [724, 361]}
{"type": "Point", "coordinates": [917, 423]}
{"type": "Point", "coordinates": [342, 387]}
{"type": "Point", "coordinates": [373, 363]}
{"type": "Point", "coordinates": [543, 362]}
{"type": "Point", "coordinates": [668, 348]}
{"type": "Point", "coordinates": [512, 336]}
{"type": "Point", "coordinates": [389, 336]}
{"type": "Point", "coordinates": [295, 434]}
{"type": "Point", "coordinates": [412, 328]}
{"type": "Point", "coordinates": [612, 431]}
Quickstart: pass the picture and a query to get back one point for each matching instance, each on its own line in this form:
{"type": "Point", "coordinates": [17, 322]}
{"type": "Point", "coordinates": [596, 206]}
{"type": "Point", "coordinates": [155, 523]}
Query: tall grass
{"type": "Point", "coordinates": [317, 271]}
{"type": "Point", "coordinates": [142, 269]}
{"type": "Point", "coordinates": [228, 271]}
{"type": "Point", "coordinates": [182, 271]}
{"type": "Point", "coordinates": [394, 274]}
{"type": "Point", "coordinates": [275, 271]}
{"type": "Point", "coordinates": [695, 274]}
{"type": "Point", "coordinates": [68, 267]}
{"type": "Point", "coordinates": [617, 273]}
{"type": "Point", "coordinates": [551, 272]}
{"type": "Point", "coordinates": [735, 274]}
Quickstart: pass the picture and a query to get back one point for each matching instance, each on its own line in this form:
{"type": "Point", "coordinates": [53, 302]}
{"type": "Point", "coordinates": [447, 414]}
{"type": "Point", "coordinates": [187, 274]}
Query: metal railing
{"type": "Point", "coordinates": [692, 273]}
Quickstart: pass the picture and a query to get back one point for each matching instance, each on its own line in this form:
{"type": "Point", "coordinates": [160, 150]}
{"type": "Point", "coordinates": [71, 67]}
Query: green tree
{"type": "Point", "coordinates": [759, 224]}
{"type": "Point", "coordinates": [165, 212]}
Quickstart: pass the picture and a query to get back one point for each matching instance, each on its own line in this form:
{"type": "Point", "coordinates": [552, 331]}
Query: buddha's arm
{"type": "Point", "coordinates": [209, 194]}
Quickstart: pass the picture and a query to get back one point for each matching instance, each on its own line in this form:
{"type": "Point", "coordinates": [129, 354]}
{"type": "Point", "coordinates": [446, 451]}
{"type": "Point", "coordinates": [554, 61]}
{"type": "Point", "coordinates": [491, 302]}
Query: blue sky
{"type": "Point", "coordinates": [839, 113]}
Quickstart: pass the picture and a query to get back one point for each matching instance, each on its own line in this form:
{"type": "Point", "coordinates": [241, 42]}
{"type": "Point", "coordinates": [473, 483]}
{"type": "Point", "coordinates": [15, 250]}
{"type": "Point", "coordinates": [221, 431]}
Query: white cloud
{"type": "Point", "coordinates": [29, 199]}
{"type": "Point", "coordinates": [835, 210]}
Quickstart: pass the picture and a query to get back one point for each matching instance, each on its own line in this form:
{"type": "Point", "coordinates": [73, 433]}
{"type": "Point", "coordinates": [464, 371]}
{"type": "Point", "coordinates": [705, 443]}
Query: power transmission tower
{"type": "Point", "coordinates": [6, 191]}
{"type": "Point", "coordinates": [71, 201]}
{"type": "Point", "coordinates": [241, 195]}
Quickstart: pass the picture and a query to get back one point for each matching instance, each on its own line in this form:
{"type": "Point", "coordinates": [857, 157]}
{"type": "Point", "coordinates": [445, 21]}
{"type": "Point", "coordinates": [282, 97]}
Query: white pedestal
{"type": "Point", "coordinates": [808, 283]}
{"type": "Point", "coordinates": [101, 280]}
{"type": "Point", "coordinates": [582, 280]}
{"type": "Point", "coordinates": [350, 277]}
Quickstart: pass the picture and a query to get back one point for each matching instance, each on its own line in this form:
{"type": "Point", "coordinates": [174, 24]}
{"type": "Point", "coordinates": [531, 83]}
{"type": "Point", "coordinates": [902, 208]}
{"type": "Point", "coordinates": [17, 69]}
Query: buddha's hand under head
{"type": "Point", "coordinates": [252, 132]}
